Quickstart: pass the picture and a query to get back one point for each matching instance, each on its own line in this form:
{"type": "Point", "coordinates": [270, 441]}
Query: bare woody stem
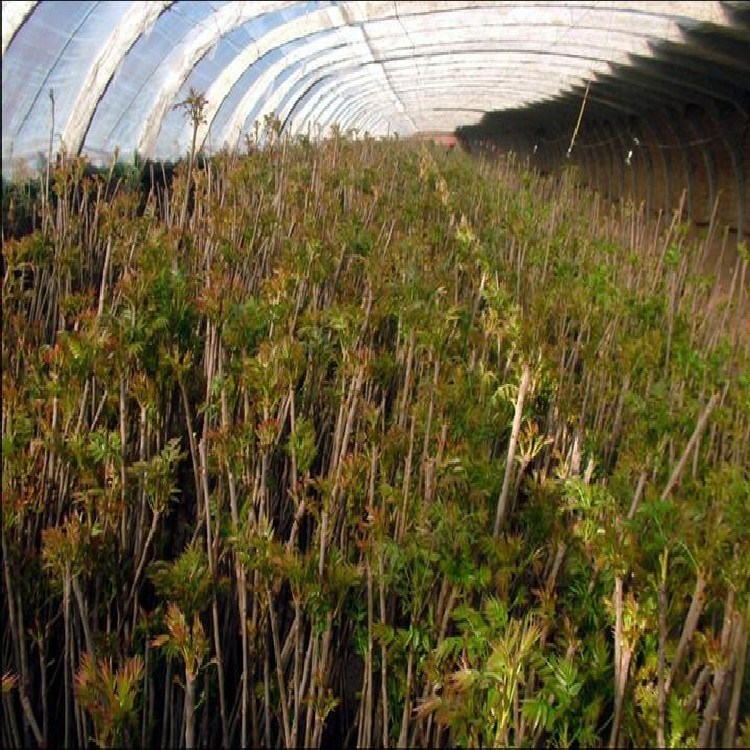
{"type": "Point", "coordinates": [502, 503]}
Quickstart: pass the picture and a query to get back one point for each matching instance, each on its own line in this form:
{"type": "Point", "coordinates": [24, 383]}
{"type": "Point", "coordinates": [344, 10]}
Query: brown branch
{"type": "Point", "coordinates": [699, 427]}
{"type": "Point", "coordinates": [502, 502]}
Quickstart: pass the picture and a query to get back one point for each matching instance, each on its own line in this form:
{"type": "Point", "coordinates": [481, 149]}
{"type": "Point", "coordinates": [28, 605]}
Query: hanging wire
{"type": "Point", "coordinates": [615, 139]}
{"type": "Point", "coordinates": [541, 140]}
{"type": "Point", "coordinates": [580, 117]}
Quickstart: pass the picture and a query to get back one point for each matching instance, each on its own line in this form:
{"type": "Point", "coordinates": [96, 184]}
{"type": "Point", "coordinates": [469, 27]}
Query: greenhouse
{"type": "Point", "coordinates": [375, 374]}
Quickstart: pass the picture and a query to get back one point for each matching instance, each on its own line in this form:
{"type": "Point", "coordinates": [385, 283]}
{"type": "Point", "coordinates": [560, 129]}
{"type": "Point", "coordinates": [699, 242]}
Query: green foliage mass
{"type": "Point", "coordinates": [258, 423]}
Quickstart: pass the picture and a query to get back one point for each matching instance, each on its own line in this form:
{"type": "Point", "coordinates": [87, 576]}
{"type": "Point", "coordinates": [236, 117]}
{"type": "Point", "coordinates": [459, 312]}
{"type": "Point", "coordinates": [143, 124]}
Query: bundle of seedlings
{"type": "Point", "coordinates": [364, 443]}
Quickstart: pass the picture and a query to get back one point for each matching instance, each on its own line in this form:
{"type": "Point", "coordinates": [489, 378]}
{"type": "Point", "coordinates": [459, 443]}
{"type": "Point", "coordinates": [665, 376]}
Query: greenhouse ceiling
{"type": "Point", "coordinates": [91, 77]}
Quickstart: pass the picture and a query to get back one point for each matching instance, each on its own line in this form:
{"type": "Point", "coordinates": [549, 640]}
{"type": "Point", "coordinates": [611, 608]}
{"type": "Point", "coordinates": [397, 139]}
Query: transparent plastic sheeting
{"type": "Point", "coordinates": [90, 77]}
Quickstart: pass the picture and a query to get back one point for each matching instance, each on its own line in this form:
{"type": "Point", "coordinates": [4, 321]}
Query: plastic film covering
{"type": "Point", "coordinates": [92, 77]}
